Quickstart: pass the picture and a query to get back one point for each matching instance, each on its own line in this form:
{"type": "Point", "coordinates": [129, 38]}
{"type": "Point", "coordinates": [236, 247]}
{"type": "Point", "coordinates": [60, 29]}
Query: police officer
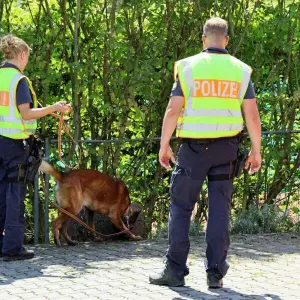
{"type": "Point", "coordinates": [210, 92]}
{"type": "Point", "coordinates": [18, 114]}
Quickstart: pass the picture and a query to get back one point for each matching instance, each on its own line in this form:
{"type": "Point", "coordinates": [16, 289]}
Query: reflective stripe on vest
{"type": "Point", "coordinates": [11, 123]}
{"type": "Point", "coordinates": [214, 86]}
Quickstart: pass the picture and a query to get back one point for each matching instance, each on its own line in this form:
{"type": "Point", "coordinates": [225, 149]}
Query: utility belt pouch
{"type": "Point", "coordinates": [33, 164]}
{"type": "Point", "coordinates": [25, 173]}
{"type": "Point", "coordinates": [21, 174]}
{"type": "Point", "coordinates": [242, 156]}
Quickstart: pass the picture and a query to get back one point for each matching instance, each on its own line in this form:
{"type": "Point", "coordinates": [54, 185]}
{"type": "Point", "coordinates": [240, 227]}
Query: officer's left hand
{"type": "Point", "coordinates": [63, 107]}
{"type": "Point", "coordinates": [165, 154]}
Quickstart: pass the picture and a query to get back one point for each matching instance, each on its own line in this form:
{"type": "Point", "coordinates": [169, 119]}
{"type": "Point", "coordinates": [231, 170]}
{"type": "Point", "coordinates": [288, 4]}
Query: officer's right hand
{"type": "Point", "coordinates": [62, 107]}
{"type": "Point", "coordinates": [254, 162]}
{"type": "Point", "coordinates": [165, 154]}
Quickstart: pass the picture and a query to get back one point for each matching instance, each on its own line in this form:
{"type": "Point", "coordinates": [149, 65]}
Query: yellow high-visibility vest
{"type": "Point", "coordinates": [214, 86]}
{"type": "Point", "coordinates": [11, 123]}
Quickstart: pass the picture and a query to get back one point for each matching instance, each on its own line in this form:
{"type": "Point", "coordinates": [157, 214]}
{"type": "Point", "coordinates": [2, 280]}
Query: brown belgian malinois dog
{"type": "Point", "coordinates": [96, 191]}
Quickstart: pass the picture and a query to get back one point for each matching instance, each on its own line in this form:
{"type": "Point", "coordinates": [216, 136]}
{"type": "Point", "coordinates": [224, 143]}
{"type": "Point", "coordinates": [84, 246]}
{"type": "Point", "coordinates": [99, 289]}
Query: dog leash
{"type": "Point", "coordinates": [62, 210]}
{"type": "Point", "coordinates": [63, 126]}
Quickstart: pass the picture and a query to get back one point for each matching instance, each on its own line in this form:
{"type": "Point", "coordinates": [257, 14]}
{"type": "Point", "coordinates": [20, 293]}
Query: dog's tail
{"type": "Point", "coordinates": [49, 169]}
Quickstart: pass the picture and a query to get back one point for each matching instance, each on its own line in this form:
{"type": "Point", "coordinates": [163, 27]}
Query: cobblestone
{"type": "Point", "coordinates": [262, 267]}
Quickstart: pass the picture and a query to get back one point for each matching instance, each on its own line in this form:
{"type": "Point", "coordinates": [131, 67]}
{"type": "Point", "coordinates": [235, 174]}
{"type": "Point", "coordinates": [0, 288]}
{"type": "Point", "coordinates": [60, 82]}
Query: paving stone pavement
{"type": "Point", "coordinates": [262, 267]}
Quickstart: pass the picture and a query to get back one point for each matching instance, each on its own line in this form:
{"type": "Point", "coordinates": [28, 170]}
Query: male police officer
{"type": "Point", "coordinates": [210, 91]}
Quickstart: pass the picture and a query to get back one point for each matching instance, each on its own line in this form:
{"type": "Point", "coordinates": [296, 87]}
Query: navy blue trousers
{"type": "Point", "coordinates": [194, 163]}
{"type": "Point", "coordinates": [12, 196]}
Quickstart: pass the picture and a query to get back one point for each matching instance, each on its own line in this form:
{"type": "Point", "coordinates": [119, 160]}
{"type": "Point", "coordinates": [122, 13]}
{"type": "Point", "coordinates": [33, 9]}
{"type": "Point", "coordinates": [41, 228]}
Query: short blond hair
{"type": "Point", "coordinates": [215, 26]}
{"type": "Point", "coordinates": [11, 46]}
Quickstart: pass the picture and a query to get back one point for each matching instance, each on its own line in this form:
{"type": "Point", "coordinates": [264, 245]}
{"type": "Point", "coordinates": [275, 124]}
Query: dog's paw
{"type": "Point", "coordinates": [57, 243]}
{"type": "Point", "coordinates": [72, 243]}
{"type": "Point", "coordinates": [137, 238]}
{"type": "Point", "coordinates": [98, 239]}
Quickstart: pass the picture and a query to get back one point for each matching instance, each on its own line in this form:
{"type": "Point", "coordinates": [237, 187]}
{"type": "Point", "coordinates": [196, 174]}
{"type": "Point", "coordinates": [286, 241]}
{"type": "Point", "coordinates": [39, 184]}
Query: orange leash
{"type": "Point", "coordinates": [63, 126]}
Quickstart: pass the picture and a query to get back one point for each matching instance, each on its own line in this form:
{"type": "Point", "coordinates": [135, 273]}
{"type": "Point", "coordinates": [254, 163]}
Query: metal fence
{"type": "Point", "coordinates": [49, 142]}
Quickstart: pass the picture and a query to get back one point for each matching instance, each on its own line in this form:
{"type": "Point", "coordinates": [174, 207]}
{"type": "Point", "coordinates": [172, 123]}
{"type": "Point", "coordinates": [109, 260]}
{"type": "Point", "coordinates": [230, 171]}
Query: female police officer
{"type": "Point", "coordinates": [18, 114]}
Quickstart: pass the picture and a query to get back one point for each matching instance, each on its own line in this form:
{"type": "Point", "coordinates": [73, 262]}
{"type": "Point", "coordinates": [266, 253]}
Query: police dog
{"type": "Point", "coordinates": [96, 191]}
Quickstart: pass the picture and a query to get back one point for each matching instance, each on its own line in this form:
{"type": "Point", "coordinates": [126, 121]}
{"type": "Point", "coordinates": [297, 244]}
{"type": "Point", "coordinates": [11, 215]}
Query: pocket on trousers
{"type": "Point", "coordinates": [13, 143]}
{"type": "Point", "coordinates": [197, 148]}
{"type": "Point", "coordinates": [180, 182]}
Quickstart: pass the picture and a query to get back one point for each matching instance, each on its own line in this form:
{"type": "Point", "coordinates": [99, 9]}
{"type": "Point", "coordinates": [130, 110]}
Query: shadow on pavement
{"type": "Point", "coordinates": [190, 293]}
{"type": "Point", "coordinates": [85, 256]}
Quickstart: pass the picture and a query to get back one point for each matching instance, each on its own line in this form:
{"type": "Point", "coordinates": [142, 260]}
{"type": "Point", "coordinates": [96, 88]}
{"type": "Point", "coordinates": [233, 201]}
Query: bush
{"type": "Point", "coordinates": [161, 231]}
{"type": "Point", "coordinates": [265, 219]}
{"type": "Point", "coordinates": [196, 229]}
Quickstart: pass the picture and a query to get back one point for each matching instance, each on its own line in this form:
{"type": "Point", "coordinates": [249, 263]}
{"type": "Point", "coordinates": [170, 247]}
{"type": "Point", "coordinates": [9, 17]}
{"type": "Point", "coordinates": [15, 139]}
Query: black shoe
{"type": "Point", "coordinates": [186, 271]}
{"type": "Point", "coordinates": [214, 281]}
{"type": "Point", "coordinates": [165, 277]}
{"type": "Point", "coordinates": [23, 254]}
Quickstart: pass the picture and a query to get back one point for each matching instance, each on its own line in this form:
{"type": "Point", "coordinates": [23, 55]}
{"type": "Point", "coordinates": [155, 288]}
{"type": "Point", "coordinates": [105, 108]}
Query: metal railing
{"type": "Point", "coordinates": [49, 141]}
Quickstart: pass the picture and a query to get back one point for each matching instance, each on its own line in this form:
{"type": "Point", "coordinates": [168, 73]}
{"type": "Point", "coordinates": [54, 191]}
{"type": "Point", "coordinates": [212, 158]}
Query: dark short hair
{"type": "Point", "coordinates": [215, 26]}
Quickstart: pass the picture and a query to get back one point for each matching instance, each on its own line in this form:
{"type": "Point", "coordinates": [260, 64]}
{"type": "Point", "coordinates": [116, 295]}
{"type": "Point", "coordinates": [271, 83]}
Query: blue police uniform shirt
{"type": "Point", "coordinates": [177, 91]}
{"type": "Point", "coordinates": [23, 94]}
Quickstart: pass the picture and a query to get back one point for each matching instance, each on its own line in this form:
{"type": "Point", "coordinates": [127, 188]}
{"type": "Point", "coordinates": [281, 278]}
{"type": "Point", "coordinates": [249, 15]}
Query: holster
{"type": "Point", "coordinates": [240, 160]}
{"type": "Point", "coordinates": [237, 165]}
{"type": "Point", "coordinates": [25, 173]}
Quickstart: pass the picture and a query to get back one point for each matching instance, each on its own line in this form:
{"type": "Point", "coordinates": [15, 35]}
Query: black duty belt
{"type": "Point", "coordinates": [236, 166]}
{"type": "Point", "coordinates": [206, 141]}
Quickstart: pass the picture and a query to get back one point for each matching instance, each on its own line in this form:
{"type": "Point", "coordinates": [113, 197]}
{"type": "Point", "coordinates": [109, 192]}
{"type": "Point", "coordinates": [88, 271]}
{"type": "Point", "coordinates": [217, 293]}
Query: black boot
{"type": "Point", "coordinates": [186, 271]}
{"type": "Point", "coordinates": [23, 254]}
{"type": "Point", "coordinates": [165, 277]}
{"type": "Point", "coordinates": [214, 279]}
